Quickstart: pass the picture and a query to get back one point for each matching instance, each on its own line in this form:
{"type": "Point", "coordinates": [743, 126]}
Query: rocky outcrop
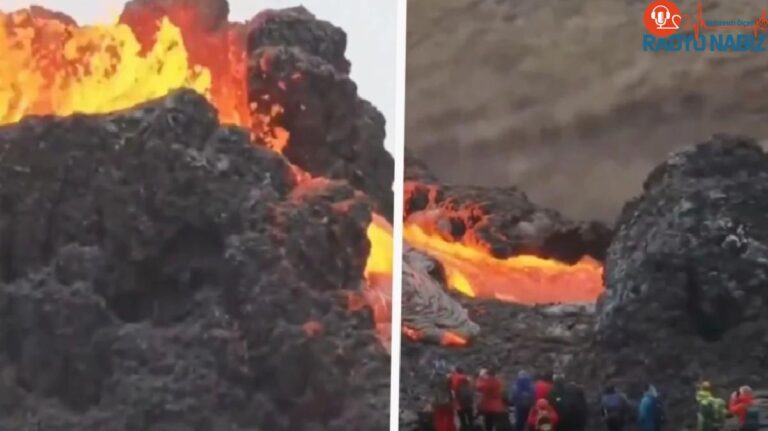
{"type": "Point", "coordinates": [297, 66]}
{"type": "Point", "coordinates": [160, 272]}
{"type": "Point", "coordinates": [686, 278]}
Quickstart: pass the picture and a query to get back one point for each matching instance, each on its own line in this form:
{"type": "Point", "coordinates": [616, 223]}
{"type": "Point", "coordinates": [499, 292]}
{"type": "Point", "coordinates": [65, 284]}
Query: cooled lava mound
{"type": "Point", "coordinates": [160, 272]}
{"type": "Point", "coordinates": [210, 258]}
{"type": "Point", "coordinates": [686, 278]}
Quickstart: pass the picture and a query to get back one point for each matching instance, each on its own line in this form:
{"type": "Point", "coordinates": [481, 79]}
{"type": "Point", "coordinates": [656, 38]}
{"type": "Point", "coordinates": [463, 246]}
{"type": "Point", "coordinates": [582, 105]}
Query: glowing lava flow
{"type": "Point", "coordinates": [50, 65]}
{"type": "Point", "coordinates": [378, 276]}
{"type": "Point", "coordinates": [521, 279]}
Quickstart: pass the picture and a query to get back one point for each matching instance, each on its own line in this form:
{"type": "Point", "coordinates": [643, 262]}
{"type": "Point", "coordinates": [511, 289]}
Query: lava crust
{"type": "Point", "coordinates": [160, 272]}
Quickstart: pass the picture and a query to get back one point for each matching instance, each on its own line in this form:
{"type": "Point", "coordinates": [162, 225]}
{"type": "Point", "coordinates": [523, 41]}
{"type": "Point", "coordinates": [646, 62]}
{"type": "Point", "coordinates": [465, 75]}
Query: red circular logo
{"type": "Point", "coordinates": [662, 18]}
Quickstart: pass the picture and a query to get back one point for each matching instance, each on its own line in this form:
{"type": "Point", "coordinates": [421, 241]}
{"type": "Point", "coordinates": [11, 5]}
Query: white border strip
{"type": "Point", "coordinates": [397, 227]}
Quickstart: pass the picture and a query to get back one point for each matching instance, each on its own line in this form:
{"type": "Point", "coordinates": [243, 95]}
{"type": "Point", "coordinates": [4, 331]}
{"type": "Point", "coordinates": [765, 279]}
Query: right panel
{"type": "Point", "coordinates": [585, 240]}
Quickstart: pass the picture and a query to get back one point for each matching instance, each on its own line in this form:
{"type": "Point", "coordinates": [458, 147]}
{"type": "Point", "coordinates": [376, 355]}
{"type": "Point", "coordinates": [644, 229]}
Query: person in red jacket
{"type": "Point", "coordinates": [543, 416]}
{"type": "Point", "coordinates": [463, 398]}
{"type": "Point", "coordinates": [543, 386]}
{"type": "Point", "coordinates": [740, 403]}
{"type": "Point", "coordinates": [491, 406]}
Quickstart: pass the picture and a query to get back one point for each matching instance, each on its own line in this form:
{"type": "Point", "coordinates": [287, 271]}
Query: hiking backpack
{"type": "Point", "coordinates": [465, 394]}
{"type": "Point", "coordinates": [707, 415]}
{"type": "Point", "coordinates": [521, 399]}
{"type": "Point", "coordinates": [441, 391]}
{"type": "Point", "coordinates": [752, 419]}
{"type": "Point", "coordinates": [613, 404]}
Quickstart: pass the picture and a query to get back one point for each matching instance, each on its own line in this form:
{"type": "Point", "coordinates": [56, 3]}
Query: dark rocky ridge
{"type": "Point", "coordinates": [298, 62]}
{"type": "Point", "coordinates": [159, 272]}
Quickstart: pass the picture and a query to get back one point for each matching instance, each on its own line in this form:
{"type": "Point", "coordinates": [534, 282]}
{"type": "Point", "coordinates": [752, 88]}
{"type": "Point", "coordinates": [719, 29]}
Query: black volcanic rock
{"type": "Point", "coordinates": [505, 222]}
{"type": "Point", "coordinates": [296, 27]}
{"type": "Point", "coordinates": [693, 249]}
{"type": "Point", "coordinates": [160, 272]}
{"type": "Point", "coordinates": [297, 68]}
{"type": "Point", "coordinates": [686, 276]}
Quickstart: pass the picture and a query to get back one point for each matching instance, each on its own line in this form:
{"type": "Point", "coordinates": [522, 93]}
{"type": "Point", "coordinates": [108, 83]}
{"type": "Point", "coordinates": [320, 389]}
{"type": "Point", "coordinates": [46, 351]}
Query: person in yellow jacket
{"type": "Point", "coordinates": [711, 411]}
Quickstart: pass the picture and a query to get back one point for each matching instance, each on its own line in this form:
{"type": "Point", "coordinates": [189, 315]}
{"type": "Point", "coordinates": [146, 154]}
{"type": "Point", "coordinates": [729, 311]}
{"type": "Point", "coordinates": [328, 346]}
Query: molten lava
{"type": "Point", "coordinates": [50, 65]}
{"type": "Point", "coordinates": [53, 66]}
{"type": "Point", "coordinates": [471, 270]}
{"type": "Point", "coordinates": [378, 276]}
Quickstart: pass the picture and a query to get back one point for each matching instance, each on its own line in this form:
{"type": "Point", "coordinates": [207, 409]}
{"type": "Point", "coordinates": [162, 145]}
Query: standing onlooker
{"type": "Point", "coordinates": [464, 399]}
{"type": "Point", "coordinates": [491, 406]}
{"type": "Point", "coordinates": [442, 403]}
{"type": "Point", "coordinates": [650, 415]}
{"type": "Point", "coordinates": [570, 402]}
{"type": "Point", "coordinates": [742, 406]}
{"type": "Point", "coordinates": [543, 386]}
{"type": "Point", "coordinates": [522, 395]}
{"type": "Point", "coordinates": [543, 417]}
{"type": "Point", "coordinates": [615, 408]}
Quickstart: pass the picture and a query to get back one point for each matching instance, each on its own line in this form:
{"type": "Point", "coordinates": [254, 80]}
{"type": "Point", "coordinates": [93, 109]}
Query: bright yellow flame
{"type": "Point", "coordinates": [50, 67]}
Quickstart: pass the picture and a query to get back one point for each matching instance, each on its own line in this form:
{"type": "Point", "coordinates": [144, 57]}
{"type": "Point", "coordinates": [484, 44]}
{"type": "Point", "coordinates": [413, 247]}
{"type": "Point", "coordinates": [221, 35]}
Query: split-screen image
{"type": "Point", "coordinates": [415, 215]}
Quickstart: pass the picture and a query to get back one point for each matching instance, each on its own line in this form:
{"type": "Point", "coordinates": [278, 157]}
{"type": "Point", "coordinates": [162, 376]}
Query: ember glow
{"type": "Point", "coordinates": [53, 66]}
{"type": "Point", "coordinates": [473, 271]}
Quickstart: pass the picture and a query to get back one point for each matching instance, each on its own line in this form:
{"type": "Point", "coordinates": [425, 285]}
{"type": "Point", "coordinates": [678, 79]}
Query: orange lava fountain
{"type": "Point", "coordinates": [50, 65]}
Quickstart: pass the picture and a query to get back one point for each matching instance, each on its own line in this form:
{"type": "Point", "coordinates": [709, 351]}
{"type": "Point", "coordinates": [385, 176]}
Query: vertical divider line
{"type": "Point", "coordinates": [397, 226]}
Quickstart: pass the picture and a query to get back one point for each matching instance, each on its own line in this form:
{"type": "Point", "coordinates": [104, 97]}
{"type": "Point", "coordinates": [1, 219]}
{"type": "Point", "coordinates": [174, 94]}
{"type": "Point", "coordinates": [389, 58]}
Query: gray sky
{"type": "Point", "coordinates": [371, 27]}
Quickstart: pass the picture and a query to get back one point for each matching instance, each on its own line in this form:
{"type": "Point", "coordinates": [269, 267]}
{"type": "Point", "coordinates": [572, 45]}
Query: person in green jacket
{"type": "Point", "coordinates": [711, 411]}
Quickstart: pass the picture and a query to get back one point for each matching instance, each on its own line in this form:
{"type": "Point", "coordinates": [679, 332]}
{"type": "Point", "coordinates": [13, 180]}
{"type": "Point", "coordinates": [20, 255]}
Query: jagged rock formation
{"type": "Point", "coordinates": [427, 307]}
{"type": "Point", "coordinates": [297, 63]}
{"type": "Point", "coordinates": [686, 277]}
{"type": "Point", "coordinates": [159, 272]}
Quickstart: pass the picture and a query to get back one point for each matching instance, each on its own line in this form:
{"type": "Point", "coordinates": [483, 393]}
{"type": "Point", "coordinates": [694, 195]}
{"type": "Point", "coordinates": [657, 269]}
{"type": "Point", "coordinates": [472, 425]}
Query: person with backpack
{"type": "Point", "coordinates": [710, 410]}
{"type": "Point", "coordinates": [570, 403]}
{"type": "Point", "coordinates": [442, 403]}
{"type": "Point", "coordinates": [522, 395]}
{"type": "Point", "coordinates": [491, 406]}
{"type": "Point", "coordinates": [543, 417]}
{"type": "Point", "coordinates": [742, 406]}
{"type": "Point", "coordinates": [464, 399]}
{"type": "Point", "coordinates": [650, 416]}
{"type": "Point", "coordinates": [614, 406]}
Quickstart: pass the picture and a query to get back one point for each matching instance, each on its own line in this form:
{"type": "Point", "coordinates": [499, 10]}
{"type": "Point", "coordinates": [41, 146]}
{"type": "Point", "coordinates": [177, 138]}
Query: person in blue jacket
{"type": "Point", "coordinates": [650, 415]}
{"type": "Point", "coordinates": [522, 395]}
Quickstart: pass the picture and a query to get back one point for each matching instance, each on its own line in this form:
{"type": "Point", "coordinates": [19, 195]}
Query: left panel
{"type": "Point", "coordinates": [195, 208]}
